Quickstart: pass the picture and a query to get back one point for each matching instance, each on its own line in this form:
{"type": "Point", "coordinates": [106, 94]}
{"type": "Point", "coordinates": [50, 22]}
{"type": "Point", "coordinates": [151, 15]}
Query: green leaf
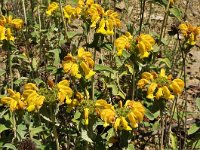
{"type": "Point", "coordinates": [2, 72]}
{"type": "Point", "coordinates": [118, 62]}
{"type": "Point", "coordinates": [103, 68]}
{"type": "Point", "coordinates": [114, 88]}
{"type": "Point", "coordinates": [156, 126]}
{"type": "Point", "coordinates": [130, 69]}
{"type": "Point", "coordinates": [149, 115]}
{"type": "Point", "coordinates": [193, 129]}
{"type": "Point", "coordinates": [126, 54]}
{"type": "Point", "coordinates": [38, 81]}
{"type": "Point", "coordinates": [52, 69]}
{"type": "Point", "coordinates": [77, 115]}
{"type": "Point", "coordinates": [34, 131]}
{"type": "Point", "coordinates": [166, 61]}
{"type": "Point", "coordinates": [71, 34]}
{"type": "Point", "coordinates": [85, 136]}
{"type": "Point", "coordinates": [10, 146]}
{"type": "Point", "coordinates": [21, 130]}
{"type": "Point", "coordinates": [175, 12]}
{"type": "Point", "coordinates": [198, 102]}
{"type": "Point", "coordinates": [108, 46]}
{"type": "Point", "coordinates": [173, 139]}
{"type": "Point", "coordinates": [34, 64]}
{"type": "Point", "coordinates": [56, 53]}
{"type": "Point", "coordinates": [3, 128]}
{"type": "Point", "coordinates": [130, 147]}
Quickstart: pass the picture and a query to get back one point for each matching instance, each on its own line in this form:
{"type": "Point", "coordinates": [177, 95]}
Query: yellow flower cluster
{"type": "Point", "coordinates": [123, 42]}
{"type": "Point", "coordinates": [69, 11]}
{"type": "Point", "coordinates": [132, 113]}
{"type": "Point", "coordinates": [83, 62]}
{"type": "Point", "coordinates": [6, 26]}
{"type": "Point", "coordinates": [159, 86]}
{"type": "Point", "coordinates": [145, 44]}
{"type": "Point", "coordinates": [105, 20]}
{"type": "Point", "coordinates": [64, 91]}
{"type": "Point", "coordinates": [29, 99]}
{"type": "Point", "coordinates": [190, 32]}
{"type": "Point", "coordinates": [52, 8]}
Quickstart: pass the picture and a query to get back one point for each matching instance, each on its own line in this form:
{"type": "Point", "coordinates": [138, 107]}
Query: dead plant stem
{"type": "Point", "coordinates": [63, 19]}
{"type": "Point", "coordinates": [164, 21]}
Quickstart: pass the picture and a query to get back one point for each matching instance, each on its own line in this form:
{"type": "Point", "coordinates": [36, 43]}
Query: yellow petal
{"type": "Point", "coordinates": [117, 123]}
{"type": "Point", "coordinates": [167, 94]}
{"type": "Point", "coordinates": [151, 90]}
{"type": "Point", "coordinates": [132, 120]}
{"type": "Point", "coordinates": [86, 114]}
{"type": "Point", "coordinates": [125, 124]}
{"type": "Point", "coordinates": [159, 93]}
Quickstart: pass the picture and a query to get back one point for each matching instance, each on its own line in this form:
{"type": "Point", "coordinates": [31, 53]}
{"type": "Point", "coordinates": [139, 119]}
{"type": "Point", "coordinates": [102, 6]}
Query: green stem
{"type": "Point", "coordinates": [55, 133]}
{"type": "Point", "coordinates": [133, 84]}
{"type": "Point", "coordinates": [63, 19]}
{"type": "Point", "coordinates": [164, 21]}
{"type": "Point", "coordinates": [24, 11]}
{"type": "Point", "coordinates": [9, 64]}
{"type": "Point", "coordinates": [142, 9]}
{"type": "Point", "coordinates": [171, 117]}
{"type": "Point", "coordinates": [162, 129]}
{"type": "Point", "coordinates": [14, 126]}
{"type": "Point", "coordinates": [185, 106]}
{"type": "Point", "coordinates": [93, 84]}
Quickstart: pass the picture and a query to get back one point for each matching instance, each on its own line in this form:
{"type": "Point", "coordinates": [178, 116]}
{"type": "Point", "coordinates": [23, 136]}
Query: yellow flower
{"type": "Point", "coordinates": [125, 124]}
{"type": "Point", "coordinates": [2, 33]}
{"type": "Point", "coordinates": [2, 20]}
{"type": "Point", "coordinates": [183, 28]}
{"type": "Point", "coordinates": [95, 11]}
{"type": "Point", "coordinates": [117, 123]}
{"type": "Point", "coordinates": [147, 76]}
{"type": "Point", "coordinates": [145, 43]}
{"type": "Point", "coordinates": [177, 86]}
{"type": "Point", "coordinates": [110, 27]}
{"type": "Point", "coordinates": [123, 42]}
{"type": "Point", "coordinates": [30, 86]}
{"type": "Point", "coordinates": [166, 93]}
{"type": "Point", "coordinates": [190, 32]}
{"type": "Point", "coordinates": [89, 2]}
{"type": "Point", "coordinates": [88, 72]}
{"type": "Point", "coordinates": [6, 24]}
{"type": "Point", "coordinates": [113, 17]}
{"type": "Point", "coordinates": [17, 23]}
{"type": "Point", "coordinates": [151, 90]}
{"type": "Point", "coordinates": [137, 110]}
{"type": "Point", "coordinates": [142, 82]}
{"type": "Point", "coordinates": [86, 114]}
{"type": "Point", "coordinates": [64, 91]}
{"type": "Point", "coordinates": [51, 8]}
{"type": "Point", "coordinates": [102, 26]}
{"type": "Point", "coordinates": [160, 85]}
{"type": "Point", "coordinates": [69, 12]}
{"type": "Point", "coordinates": [159, 93]}
{"type": "Point", "coordinates": [70, 66]}
{"type": "Point", "coordinates": [133, 111]}
{"type": "Point", "coordinates": [34, 102]}
{"type": "Point", "coordinates": [132, 120]}
{"type": "Point", "coordinates": [9, 35]}
{"type": "Point", "coordinates": [102, 104]}
{"type": "Point", "coordinates": [28, 89]}
{"type": "Point", "coordinates": [108, 116]}
{"type": "Point", "coordinates": [14, 100]}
